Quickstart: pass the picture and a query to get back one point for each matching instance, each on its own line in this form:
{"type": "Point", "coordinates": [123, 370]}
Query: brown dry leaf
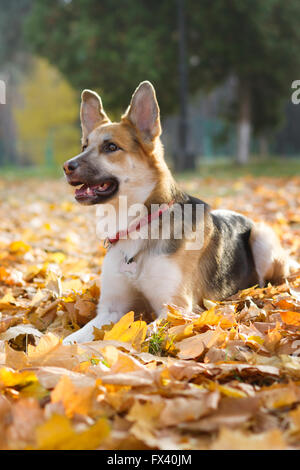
{"type": "Point", "coordinates": [280, 396]}
{"type": "Point", "coordinates": [180, 332]}
{"type": "Point", "coordinates": [75, 399]}
{"type": "Point", "coordinates": [26, 415]}
{"type": "Point", "coordinates": [232, 413]}
{"type": "Point", "coordinates": [50, 376]}
{"type": "Point", "coordinates": [51, 352]}
{"type": "Point", "coordinates": [47, 343]}
{"type": "Point", "coordinates": [15, 331]}
{"type": "Point", "coordinates": [247, 384]}
{"type": "Point", "coordinates": [145, 418]}
{"type": "Point", "coordinates": [86, 309]}
{"type": "Point", "coordinates": [236, 440]}
{"type": "Point", "coordinates": [16, 359]}
{"type": "Point", "coordinates": [193, 347]}
{"type": "Point", "coordinates": [295, 419]}
{"type": "Point", "coordinates": [181, 409]}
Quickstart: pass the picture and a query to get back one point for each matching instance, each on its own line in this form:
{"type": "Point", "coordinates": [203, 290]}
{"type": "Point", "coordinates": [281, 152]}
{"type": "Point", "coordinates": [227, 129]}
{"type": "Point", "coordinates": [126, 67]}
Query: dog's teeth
{"type": "Point", "coordinates": [89, 192]}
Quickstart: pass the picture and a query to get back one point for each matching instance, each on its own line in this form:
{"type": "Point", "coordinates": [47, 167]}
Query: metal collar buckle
{"type": "Point", "coordinates": [107, 244]}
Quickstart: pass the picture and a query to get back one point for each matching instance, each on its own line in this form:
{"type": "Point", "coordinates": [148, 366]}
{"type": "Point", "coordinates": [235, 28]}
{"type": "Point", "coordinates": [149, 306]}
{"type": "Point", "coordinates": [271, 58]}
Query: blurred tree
{"type": "Point", "coordinates": [47, 120]}
{"type": "Point", "coordinates": [111, 45]}
{"type": "Point", "coordinates": [255, 41]}
{"type": "Point", "coordinates": [13, 59]}
{"type": "Point", "coordinates": [185, 159]}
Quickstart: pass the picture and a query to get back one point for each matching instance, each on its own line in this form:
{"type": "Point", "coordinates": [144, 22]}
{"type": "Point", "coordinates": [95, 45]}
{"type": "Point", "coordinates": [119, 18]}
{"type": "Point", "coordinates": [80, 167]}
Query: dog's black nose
{"type": "Point", "coordinates": [70, 166]}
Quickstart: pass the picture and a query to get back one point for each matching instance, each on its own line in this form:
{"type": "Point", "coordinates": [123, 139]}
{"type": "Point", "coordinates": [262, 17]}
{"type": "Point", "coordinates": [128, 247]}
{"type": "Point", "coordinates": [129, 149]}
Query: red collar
{"type": "Point", "coordinates": [143, 221]}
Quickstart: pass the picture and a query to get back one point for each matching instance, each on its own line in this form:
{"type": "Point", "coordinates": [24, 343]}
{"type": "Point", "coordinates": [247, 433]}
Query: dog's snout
{"type": "Point", "coordinates": [70, 166]}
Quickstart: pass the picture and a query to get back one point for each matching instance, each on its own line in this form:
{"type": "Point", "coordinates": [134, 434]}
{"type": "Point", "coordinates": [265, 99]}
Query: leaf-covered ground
{"type": "Point", "coordinates": [224, 378]}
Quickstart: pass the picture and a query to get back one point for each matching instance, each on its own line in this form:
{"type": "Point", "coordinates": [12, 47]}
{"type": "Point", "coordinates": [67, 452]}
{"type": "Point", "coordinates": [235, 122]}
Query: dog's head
{"type": "Point", "coordinates": [117, 158]}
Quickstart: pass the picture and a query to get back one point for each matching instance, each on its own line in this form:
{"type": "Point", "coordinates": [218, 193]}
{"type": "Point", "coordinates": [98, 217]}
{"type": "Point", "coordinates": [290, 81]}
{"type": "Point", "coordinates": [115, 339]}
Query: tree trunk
{"type": "Point", "coordinates": [243, 124]}
{"type": "Point", "coordinates": [8, 150]}
{"type": "Point", "coordinates": [184, 159]}
{"type": "Point", "coordinates": [263, 146]}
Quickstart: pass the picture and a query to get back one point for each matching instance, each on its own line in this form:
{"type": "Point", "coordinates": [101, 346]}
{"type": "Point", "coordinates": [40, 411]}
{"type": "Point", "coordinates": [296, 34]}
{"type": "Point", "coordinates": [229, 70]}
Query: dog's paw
{"type": "Point", "coordinates": [80, 336]}
{"type": "Point", "coordinates": [68, 340]}
{"type": "Point", "coordinates": [86, 334]}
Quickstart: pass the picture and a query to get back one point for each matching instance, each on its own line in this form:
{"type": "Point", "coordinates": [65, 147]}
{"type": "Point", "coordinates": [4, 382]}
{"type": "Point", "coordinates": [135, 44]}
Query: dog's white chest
{"type": "Point", "coordinates": [128, 267]}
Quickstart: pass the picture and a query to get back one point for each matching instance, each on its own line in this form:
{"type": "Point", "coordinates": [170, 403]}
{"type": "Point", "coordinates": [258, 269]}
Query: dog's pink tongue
{"type": "Point", "coordinates": [83, 191]}
{"type": "Point", "coordinates": [86, 190]}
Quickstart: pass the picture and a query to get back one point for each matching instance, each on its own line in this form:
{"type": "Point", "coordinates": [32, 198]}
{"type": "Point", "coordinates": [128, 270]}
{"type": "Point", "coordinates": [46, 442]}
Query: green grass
{"type": "Point", "coordinates": [227, 169]}
{"type": "Point", "coordinates": [12, 173]}
{"type": "Point", "coordinates": [156, 344]}
{"type": "Point", "coordinates": [224, 168]}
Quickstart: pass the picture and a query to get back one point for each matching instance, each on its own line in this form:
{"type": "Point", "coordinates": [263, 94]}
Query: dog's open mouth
{"type": "Point", "coordinates": [95, 193]}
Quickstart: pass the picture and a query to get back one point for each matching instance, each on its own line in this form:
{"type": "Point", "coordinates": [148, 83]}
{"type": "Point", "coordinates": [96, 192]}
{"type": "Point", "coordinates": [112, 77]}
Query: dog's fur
{"type": "Point", "coordinates": [236, 253]}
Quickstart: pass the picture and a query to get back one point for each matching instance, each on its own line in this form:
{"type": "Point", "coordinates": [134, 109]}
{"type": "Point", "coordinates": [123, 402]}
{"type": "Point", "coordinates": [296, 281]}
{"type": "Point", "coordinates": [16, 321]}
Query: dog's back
{"type": "Point", "coordinates": [228, 257]}
{"type": "Point", "coordinates": [241, 254]}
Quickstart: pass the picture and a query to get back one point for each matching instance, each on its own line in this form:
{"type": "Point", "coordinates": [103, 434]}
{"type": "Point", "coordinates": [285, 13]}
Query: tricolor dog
{"type": "Point", "coordinates": [125, 161]}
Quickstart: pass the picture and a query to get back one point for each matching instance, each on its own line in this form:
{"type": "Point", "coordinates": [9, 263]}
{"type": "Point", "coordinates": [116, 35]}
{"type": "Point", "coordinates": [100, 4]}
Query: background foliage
{"type": "Point", "coordinates": [47, 114]}
{"type": "Point", "coordinates": [112, 45]}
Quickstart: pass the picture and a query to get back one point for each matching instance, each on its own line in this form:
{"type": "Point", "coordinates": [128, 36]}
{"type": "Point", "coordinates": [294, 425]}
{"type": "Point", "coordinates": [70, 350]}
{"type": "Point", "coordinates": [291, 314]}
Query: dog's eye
{"type": "Point", "coordinates": [110, 147]}
{"type": "Point", "coordinates": [84, 146]}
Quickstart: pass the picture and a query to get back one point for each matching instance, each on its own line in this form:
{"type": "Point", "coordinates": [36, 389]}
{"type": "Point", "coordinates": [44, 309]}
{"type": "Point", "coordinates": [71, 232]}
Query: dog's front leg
{"type": "Point", "coordinates": [104, 317]}
{"type": "Point", "coordinates": [117, 298]}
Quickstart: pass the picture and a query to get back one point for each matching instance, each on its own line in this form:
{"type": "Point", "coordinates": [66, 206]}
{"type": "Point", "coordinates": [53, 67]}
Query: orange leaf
{"type": "Point", "coordinates": [290, 318]}
{"type": "Point", "coordinates": [210, 317]}
{"type": "Point", "coordinates": [75, 400]}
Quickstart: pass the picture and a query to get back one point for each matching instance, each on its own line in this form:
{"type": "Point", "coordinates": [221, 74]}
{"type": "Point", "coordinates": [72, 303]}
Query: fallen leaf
{"type": "Point", "coordinates": [128, 330]}
{"type": "Point", "coordinates": [58, 434]}
{"type": "Point", "coordinates": [15, 331]}
{"type": "Point", "coordinates": [290, 318]}
{"type": "Point", "coordinates": [75, 399]}
{"type": "Point", "coordinates": [190, 348]}
{"type": "Point", "coordinates": [213, 318]}
{"type": "Point", "coordinates": [236, 440]}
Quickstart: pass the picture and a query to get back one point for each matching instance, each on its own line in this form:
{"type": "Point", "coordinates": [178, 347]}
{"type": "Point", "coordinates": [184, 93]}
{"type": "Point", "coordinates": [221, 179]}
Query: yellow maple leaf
{"type": "Point", "coordinates": [255, 339]}
{"type": "Point", "coordinates": [226, 390]}
{"type": "Point", "coordinates": [19, 247]}
{"type": "Point", "coordinates": [212, 318]}
{"type": "Point", "coordinates": [10, 378]}
{"type": "Point", "coordinates": [58, 434]}
{"type": "Point", "coordinates": [57, 257]}
{"type": "Point", "coordinates": [128, 330]}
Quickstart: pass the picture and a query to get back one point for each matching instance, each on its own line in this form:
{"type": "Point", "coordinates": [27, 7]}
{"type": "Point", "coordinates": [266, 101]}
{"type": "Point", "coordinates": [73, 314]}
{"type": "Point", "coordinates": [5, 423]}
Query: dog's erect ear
{"type": "Point", "coordinates": [143, 111]}
{"type": "Point", "coordinates": [92, 113]}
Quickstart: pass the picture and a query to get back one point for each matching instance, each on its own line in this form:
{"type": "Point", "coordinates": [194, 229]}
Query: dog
{"type": "Point", "coordinates": [126, 160]}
